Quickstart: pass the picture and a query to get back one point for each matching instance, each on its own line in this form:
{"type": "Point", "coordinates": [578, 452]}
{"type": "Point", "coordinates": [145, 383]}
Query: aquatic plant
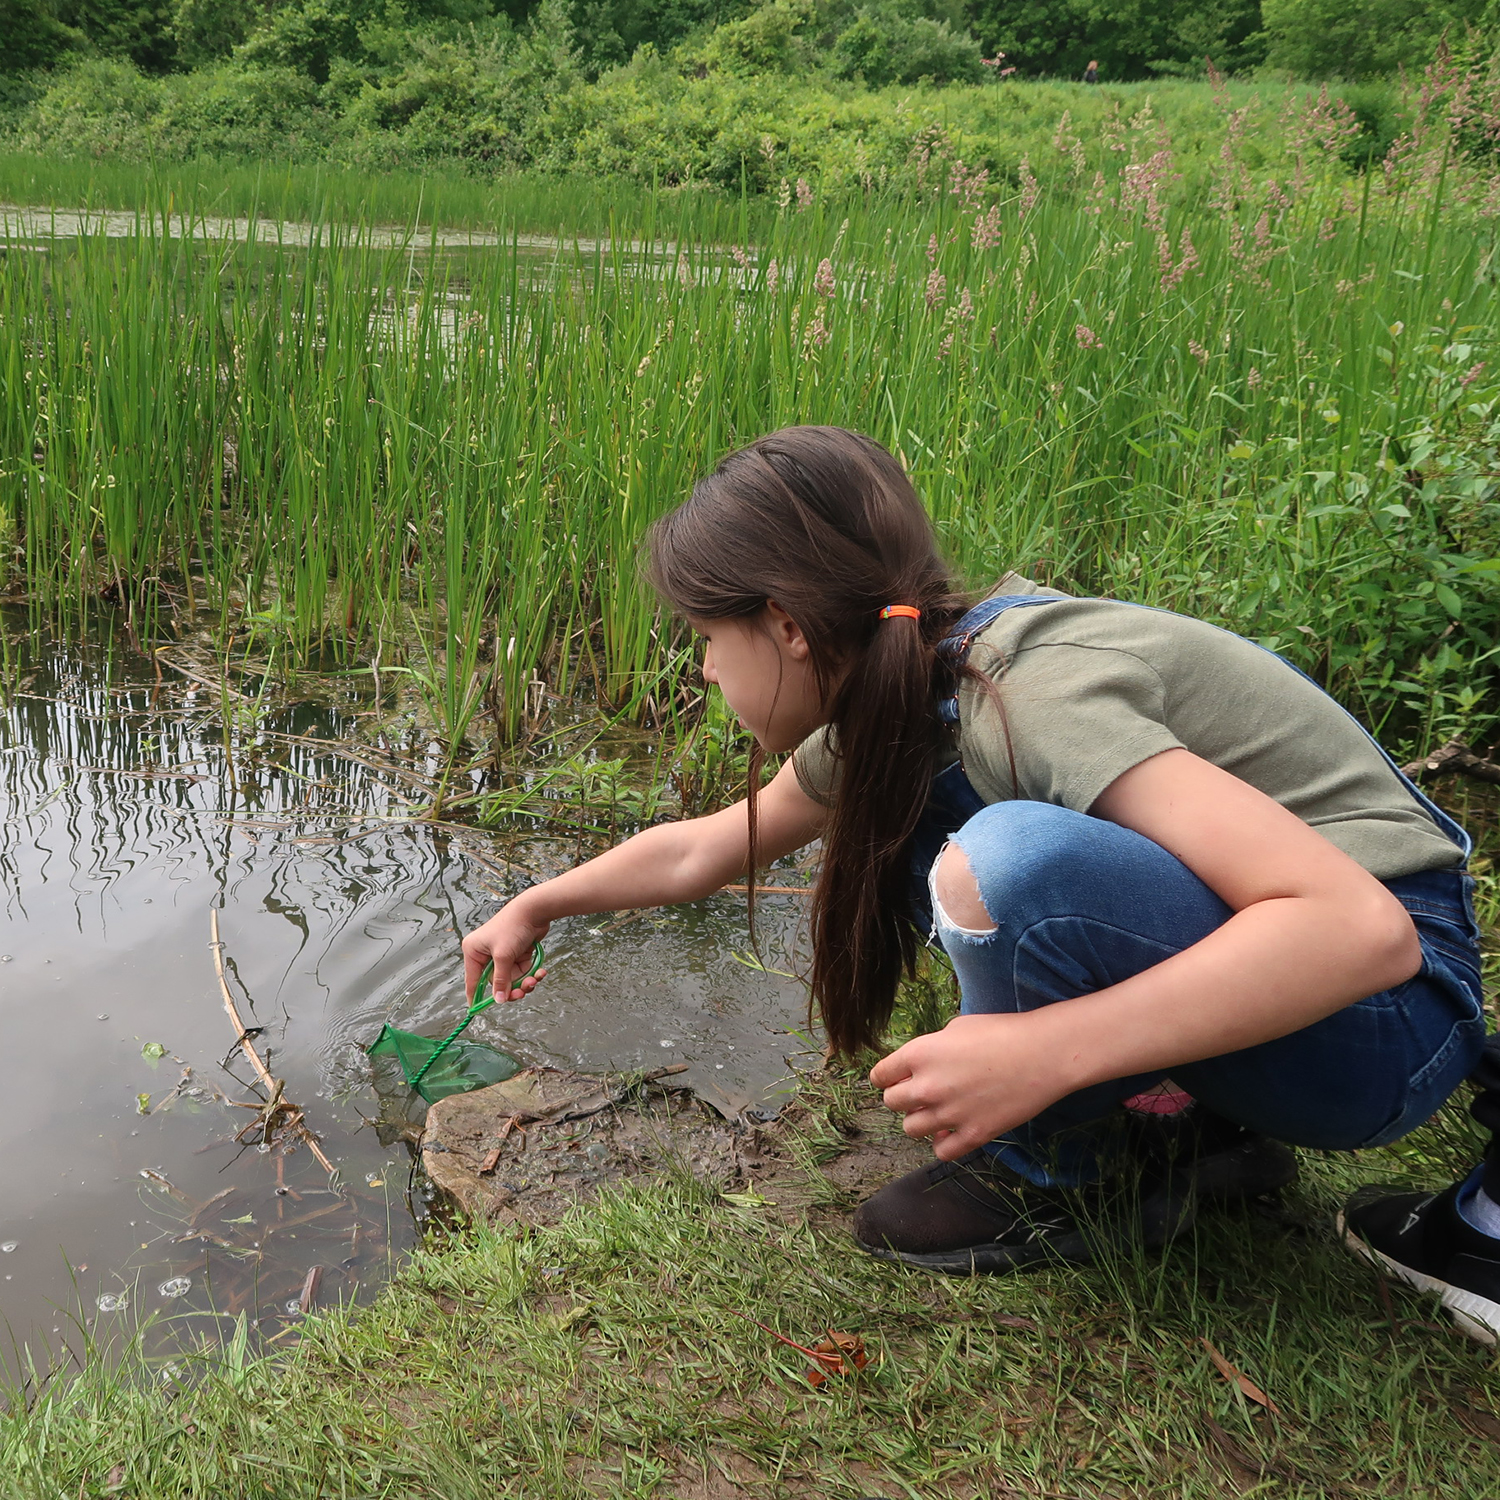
{"type": "Point", "coordinates": [1275, 406]}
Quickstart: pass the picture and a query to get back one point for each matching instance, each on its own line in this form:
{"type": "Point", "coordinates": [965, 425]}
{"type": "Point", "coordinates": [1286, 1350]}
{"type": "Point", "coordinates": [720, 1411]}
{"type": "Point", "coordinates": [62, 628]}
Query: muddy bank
{"type": "Point", "coordinates": [526, 1150]}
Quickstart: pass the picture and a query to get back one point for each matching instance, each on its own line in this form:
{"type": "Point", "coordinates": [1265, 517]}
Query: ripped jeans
{"type": "Point", "coordinates": [1079, 904]}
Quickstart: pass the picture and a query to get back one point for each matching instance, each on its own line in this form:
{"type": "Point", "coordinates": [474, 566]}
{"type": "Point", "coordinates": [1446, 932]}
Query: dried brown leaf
{"type": "Point", "coordinates": [1239, 1378]}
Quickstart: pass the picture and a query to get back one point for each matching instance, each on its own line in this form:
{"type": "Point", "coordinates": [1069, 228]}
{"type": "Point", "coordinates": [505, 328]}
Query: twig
{"type": "Point", "coordinates": [242, 1036]}
{"type": "Point", "coordinates": [1454, 756]}
{"type": "Point", "coordinates": [274, 1086]}
{"type": "Point", "coordinates": [219, 685]}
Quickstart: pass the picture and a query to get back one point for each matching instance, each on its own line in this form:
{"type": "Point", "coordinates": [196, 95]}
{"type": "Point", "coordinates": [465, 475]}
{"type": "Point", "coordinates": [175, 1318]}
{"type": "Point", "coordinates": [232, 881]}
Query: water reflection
{"type": "Point", "coordinates": [122, 823]}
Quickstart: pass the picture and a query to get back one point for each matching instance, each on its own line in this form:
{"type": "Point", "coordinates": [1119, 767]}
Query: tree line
{"type": "Point", "coordinates": [879, 41]}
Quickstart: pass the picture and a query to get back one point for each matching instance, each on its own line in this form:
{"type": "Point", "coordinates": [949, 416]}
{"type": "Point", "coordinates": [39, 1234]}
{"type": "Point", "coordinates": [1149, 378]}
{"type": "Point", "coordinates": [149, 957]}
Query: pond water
{"type": "Point", "coordinates": [123, 824]}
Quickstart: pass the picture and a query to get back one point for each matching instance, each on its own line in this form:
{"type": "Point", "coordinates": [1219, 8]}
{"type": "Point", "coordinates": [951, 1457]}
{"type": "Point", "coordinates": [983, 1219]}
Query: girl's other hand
{"type": "Point", "coordinates": [508, 940]}
{"type": "Point", "coordinates": [976, 1078]}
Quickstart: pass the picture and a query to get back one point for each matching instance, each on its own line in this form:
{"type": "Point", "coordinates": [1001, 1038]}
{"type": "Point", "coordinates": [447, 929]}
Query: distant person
{"type": "Point", "coordinates": [1147, 846]}
{"type": "Point", "coordinates": [1091, 73]}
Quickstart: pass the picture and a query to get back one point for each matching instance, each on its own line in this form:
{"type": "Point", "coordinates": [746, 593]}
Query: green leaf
{"type": "Point", "coordinates": [1449, 600]}
{"type": "Point", "coordinates": [152, 1051]}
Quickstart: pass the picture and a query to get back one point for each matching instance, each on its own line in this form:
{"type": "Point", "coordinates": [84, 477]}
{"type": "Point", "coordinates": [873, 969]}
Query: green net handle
{"type": "Point", "coordinates": [483, 997]}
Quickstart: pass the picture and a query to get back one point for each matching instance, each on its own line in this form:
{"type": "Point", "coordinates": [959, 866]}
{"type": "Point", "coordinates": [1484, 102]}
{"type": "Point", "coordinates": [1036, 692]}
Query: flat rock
{"type": "Point", "coordinates": [526, 1149]}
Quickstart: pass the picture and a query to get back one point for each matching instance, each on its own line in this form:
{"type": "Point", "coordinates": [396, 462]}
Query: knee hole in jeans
{"type": "Point", "coordinates": [955, 894]}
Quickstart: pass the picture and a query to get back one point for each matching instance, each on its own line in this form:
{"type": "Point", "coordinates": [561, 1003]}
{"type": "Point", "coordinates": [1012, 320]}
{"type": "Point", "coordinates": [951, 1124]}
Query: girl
{"type": "Point", "coordinates": [1146, 845]}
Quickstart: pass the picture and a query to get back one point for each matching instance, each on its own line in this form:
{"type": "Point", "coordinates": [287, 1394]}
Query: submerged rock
{"type": "Point", "coordinates": [525, 1149]}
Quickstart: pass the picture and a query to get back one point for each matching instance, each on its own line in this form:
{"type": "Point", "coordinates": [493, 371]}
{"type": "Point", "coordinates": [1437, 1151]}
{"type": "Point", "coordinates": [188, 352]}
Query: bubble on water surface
{"type": "Point", "coordinates": [669, 1044]}
{"type": "Point", "coordinates": [8, 1246]}
{"type": "Point", "coordinates": [108, 1302]}
{"type": "Point", "coordinates": [294, 1306]}
{"type": "Point", "coordinates": [176, 1286]}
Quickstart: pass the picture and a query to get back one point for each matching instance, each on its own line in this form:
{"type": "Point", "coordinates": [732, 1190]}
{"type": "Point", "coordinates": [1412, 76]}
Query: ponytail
{"type": "Point", "coordinates": [826, 523]}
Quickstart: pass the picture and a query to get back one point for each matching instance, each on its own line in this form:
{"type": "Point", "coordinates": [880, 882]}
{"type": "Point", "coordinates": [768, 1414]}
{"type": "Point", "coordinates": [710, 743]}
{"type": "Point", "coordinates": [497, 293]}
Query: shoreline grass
{"type": "Point", "coordinates": [446, 197]}
{"type": "Point", "coordinates": [614, 1353]}
{"type": "Point", "coordinates": [1280, 415]}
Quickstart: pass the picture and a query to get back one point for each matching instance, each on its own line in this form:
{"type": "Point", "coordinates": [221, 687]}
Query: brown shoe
{"type": "Point", "coordinates": [975, 1215]}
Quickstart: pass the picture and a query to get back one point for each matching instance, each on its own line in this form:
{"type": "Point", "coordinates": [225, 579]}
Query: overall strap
{"type": "Point", "coordinates": [955, 648]}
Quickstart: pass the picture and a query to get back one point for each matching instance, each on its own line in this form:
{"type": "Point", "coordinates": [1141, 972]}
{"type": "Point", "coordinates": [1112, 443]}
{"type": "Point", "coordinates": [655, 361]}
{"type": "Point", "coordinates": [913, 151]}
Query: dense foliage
{"type": "Point", "coordinates": [879, 41]}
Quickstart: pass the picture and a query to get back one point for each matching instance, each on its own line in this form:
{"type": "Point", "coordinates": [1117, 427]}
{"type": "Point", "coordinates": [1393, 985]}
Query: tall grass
{"type": "Point", "coordinates": [446, 194]}
{"type": "Point", "coordinates": [1272, 407]}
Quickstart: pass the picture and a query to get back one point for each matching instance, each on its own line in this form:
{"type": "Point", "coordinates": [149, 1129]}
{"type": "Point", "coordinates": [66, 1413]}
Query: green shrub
{"type": "Point", "coordinates": [886, 46]}
{"type": "Point", "coordinates": [306, 37]}
{"type": "Point", "coordinates": [140, 30]}
{"type": "Point", "coordinates": [207, 31]}
{"type": "Point", "coordinates": [241, 111]}
{"type": "Point", "coordinates": [98, 107]}
{"type": "Point", "coordinates": [765, 41]}
{"type": "Point", "coordinates": [1357, 39]}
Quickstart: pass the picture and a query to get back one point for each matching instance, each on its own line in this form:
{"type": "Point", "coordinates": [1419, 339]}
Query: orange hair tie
{"type": "Point", "coordinates": [904, 611]}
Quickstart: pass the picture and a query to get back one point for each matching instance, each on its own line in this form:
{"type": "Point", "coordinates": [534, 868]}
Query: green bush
{"type": "Point", "coordinates": [140, 30]}
{"type": "Point", "coordinates": [480, 100]}
{"type": "Point", "coordinates": [98, 107]}
{"type": "Point", "coordinates": [765, 41]}
{"type": "Point", "coordinates": [1356, 39]}
{"type": "Point", "coordinates": [884, 45]}
{"type": "Point", "coordinates": [241, 111]}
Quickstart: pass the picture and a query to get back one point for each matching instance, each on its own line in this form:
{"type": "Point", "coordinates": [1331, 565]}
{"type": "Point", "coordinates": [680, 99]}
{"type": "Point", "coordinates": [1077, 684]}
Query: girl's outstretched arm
{"type": "Point", "coordinates": [1312, 932]}
{"type": "Point", "coordinates": [661, 866]}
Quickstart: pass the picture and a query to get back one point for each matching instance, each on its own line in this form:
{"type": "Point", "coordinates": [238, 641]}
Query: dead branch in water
{"type": "Point", "coordinates": [1454, 757]}
{"type": "Point", "coordinates": [276, 1116]}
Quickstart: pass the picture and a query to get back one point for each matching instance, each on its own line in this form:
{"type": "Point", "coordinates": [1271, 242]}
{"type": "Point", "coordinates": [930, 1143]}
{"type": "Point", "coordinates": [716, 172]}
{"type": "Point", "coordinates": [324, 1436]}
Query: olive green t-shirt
{"type": "Point", "coordinates": [1092, 687]}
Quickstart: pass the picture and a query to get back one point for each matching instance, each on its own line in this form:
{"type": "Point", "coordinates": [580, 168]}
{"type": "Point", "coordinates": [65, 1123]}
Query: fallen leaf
{"type": "Point", "coordinates": [836, 1354]}
{"type": "Point", "coordinates": [1239, 1378]}
{"type": "Point", "coordinates": [115, 1478]}
{"type": "Point", "coordinates": [1011, 1320]}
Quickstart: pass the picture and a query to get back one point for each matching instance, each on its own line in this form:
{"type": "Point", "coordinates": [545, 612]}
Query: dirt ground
{"type": "Point", "coordinates": [525, 1150]}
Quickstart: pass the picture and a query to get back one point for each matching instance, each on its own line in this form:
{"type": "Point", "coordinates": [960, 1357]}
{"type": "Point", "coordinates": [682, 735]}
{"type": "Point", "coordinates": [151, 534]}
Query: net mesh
{"type": "Point", "coordinates": [436, 1067]}
{"type": "Point", "coordinates": [455, 1069]}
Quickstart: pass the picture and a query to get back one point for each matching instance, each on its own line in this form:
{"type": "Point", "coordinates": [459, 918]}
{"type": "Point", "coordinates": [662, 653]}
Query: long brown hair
{"type": "Point", "coordinates": [826, 523]}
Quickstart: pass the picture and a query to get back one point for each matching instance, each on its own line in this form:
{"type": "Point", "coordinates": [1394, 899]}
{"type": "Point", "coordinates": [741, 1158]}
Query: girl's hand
{"type": "Point", "coordinates": [509, 938]}
{"type": "Point", "coordinates": [974, 1079]}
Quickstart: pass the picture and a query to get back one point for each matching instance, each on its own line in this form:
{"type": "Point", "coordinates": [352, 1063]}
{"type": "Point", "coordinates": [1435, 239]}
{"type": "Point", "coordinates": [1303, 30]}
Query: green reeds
{"type": "Point", "coordinates": [1272, 408]}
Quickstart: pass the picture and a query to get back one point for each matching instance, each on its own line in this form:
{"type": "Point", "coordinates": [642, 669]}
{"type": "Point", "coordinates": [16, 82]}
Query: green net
{"type": "Point", "coordinates": [438, 1067]}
